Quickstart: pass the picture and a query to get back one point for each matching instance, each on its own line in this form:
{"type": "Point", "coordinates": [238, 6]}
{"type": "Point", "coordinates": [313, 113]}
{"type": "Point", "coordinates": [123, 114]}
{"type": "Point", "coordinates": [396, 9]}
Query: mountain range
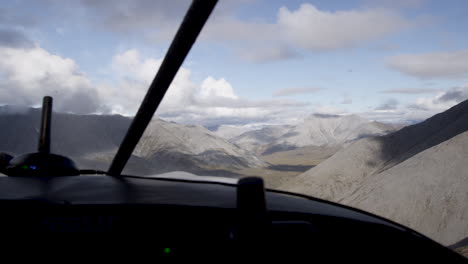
{"type": "Point", "coordinates": [416, 176]}
{"type": "Point", "coordinates": [92, 141]}
{"type": "Point", "coordinates": [316, 130]}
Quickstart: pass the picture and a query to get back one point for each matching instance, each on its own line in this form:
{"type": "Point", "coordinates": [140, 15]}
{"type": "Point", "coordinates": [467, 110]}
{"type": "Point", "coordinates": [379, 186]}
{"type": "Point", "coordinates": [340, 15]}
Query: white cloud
{"type": "Point", "coordinates": [442, 100]}
{"type": "Point", "coordinates": [432, 65]}
{"type": "Point", "coordinates": [130, 65]}
{"type": "Point", "coordinates": [134, 75]}
{"type": "Point", "coordinates": [318, 30]}
{"type": "Point", "coordinates": [231, 29]}
{"type": "Point", "coordinates": [29, 67]}
{"type": "Point", "coordinates": [420, 109]}
{"type": "Point", "coordinates": [29, 74]}
{"type": "Point", "coordinates": [26, 75]}
{"type": "Point", "coordinates": [254, 38]}
{"type": "Point", "coordinates": [210, 102]}
{"type": "Point", "coordinates": [307, 27]}
{"type": "Point", "coordinates": [212, 88]}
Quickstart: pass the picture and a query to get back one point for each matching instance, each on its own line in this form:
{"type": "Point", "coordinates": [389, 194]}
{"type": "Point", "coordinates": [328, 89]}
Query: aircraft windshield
{"type": "Point", "coordinates": [333, 99]}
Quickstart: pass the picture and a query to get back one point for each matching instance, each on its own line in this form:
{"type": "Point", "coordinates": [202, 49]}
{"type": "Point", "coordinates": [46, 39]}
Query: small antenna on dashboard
{"type": "Point", "coordinates": [44, 137]}
{"type": "Point", "coordinates": [42, 163]}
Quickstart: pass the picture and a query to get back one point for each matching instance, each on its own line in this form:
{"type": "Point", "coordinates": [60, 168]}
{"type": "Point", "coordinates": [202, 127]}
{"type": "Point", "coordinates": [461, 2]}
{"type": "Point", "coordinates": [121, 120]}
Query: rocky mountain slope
{"type": "Point", "coordinates": [415, 176]}
{"type": "Point", "coordinates": [92, 141]}
{"type": "Point", "coordinates": [190, 147]}
{"type": "Point", "coordinates": [72, 135]}
{"type": "Point", "coordinates": [231, 131]}
{"type": "Point", "coordinates": [258, 140]}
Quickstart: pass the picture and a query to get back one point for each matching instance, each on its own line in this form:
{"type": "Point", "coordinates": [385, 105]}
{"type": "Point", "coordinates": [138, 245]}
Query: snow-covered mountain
{"type": "Point", "coordinates": [316, 130]}
{"type": "Point", "coordinates": [416, 176]}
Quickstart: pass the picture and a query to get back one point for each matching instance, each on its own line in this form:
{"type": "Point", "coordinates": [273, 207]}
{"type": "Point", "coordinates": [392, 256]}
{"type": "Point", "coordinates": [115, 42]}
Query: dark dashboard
{"type": "Point", "coordinates": [148, 217]}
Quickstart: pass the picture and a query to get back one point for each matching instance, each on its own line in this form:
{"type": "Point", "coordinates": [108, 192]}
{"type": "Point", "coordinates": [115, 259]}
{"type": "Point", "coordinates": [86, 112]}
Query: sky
{"type": "Point", "coordinates": [255, 62]}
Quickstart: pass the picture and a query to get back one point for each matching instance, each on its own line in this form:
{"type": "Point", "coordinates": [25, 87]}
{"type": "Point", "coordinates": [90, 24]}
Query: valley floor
{"type": "Point", "coordinates": [285, 165]}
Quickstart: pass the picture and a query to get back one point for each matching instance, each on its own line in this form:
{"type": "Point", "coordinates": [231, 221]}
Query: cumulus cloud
{"type": "Point", "coordinates": [132, 76]}
{"type": "Point", "coordinates": [210, 102]}
{"type": "Point", "coordinates": [29, 74]}
{"type": "Point", "coordinates": [212, 88]}
{"type": "Point", "coordinates": [296, 91]}
{"type": "Point", "coordinates": [319, 30]}
{"type": "Point", "coordinates": [432, 65]}
{"type": "Point", "coordinates": [304, 28]}
{"type": "Point", "coordinates": [213, 101]}
{"type": "Point", "coordinates": [409, 91]}
{"type": "Point", "coordinates": [26, 75]}
{"type": "Point", "coordinates": [129, 64]}
{"type": "Point", "coordinates": [253, 39]}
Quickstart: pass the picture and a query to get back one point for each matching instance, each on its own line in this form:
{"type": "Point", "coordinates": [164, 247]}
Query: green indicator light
{"type": "Point", "coordinates": [167, 250]}
{"type": "Point", "coordinates": [25, 167]}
